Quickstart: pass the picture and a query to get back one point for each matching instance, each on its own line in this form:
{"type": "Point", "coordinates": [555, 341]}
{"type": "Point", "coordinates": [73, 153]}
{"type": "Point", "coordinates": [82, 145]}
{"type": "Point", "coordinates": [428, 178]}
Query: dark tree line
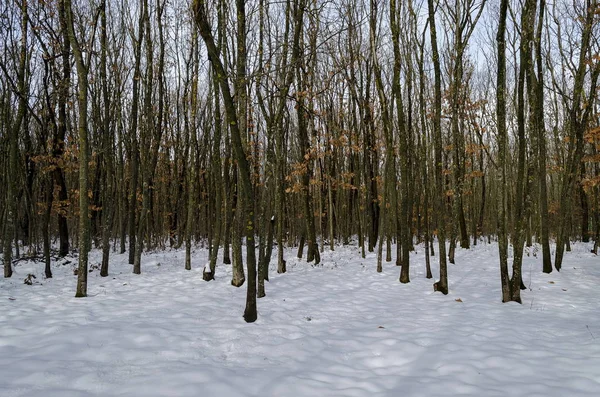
{"type": "Point", "coordinates": [261, 125]}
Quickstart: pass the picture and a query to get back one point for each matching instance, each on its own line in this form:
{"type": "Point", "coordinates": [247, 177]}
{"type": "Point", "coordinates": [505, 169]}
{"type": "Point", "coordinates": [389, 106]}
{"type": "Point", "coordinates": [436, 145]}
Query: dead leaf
{"type": "Point", "coordinates": [550, 282]}
{"type": "Point", "coordinates": [381, 326]}
{"type": "Point", "coordinates": [564, 289]}
{"type": "Point", "coordinates": [12, 299]}
{"type": "Point", "coordinates": [458, 300]}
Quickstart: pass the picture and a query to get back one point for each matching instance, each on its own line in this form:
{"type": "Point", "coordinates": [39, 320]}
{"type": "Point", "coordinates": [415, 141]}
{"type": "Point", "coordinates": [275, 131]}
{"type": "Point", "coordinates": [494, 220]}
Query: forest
{"type": "Point", "coordinates": [246, 128]}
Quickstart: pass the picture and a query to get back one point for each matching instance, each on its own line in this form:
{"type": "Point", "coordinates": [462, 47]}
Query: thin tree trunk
{"type": "Point", "coordinates": [201, 18]}
{"type": "Point", "coordinates": [404, 135]}
{"type": "Point", "coordinates": [192, 151]}
{"type": "Point", "coordinates": [502, 153]}
{"type": "Point", "coordinates": [303, 120]}
{"type": "Point", "coordinates": [82, 101]}
{"type": "Point", "coordinates": [576, 123]}
{"type": "Point", "coordinates": [442, 284]}
{"type": "Point", "coordinates": [144, 142]}
{"type": "Point", "coordinates": [58, 144]}
{"type": "Point", "coordinates": [134, 149]}
{"type": "Point", "coordinates": [209, 274]}
{"type": "Point", "coordinates": [107, 192]}
{"type": "Point", "coordinates": [227, 200]}
{"type": "Point", "coordinates": [238, 276]}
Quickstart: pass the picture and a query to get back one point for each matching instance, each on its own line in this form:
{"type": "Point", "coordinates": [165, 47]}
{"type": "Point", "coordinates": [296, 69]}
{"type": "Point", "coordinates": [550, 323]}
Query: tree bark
{"type": "Point", "coordinates": [108, 146]}
{"type": "Point", "coordinates": [201, 18]}
{"type": "Point", "coordinates": [442, 284]}
{"type": "Point", "coordinates": [576, 124]}
{"type": "Point", "coordinates": [11, 217]}
{"type": "Point", "coordinates": [82, 101]}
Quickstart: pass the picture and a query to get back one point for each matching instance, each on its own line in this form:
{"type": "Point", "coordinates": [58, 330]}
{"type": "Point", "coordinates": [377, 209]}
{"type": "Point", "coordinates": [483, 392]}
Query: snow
{"type": "Point", "coordinates": [340, 329]}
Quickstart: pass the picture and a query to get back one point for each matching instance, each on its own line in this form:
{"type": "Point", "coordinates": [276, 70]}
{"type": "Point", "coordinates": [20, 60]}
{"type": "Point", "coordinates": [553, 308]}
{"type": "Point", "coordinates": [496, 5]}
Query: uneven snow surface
{"type": "Point", "coordinates": [340, 329]}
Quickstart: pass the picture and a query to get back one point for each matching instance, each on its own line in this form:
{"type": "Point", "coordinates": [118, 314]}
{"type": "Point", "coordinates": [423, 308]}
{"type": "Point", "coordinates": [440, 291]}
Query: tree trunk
{"type": "Point", "coordinates": [227, 200]}
{"type": "Point", "coordinates": [576, 124]}
{"type": "Point", "coordinates": [502, 153]}
{"type": "Point", "coordinates": [58, 144]}
{"type": "Point", "coordinates": [404, 137]}
{"type": "Point", "coordinates": [201, 18]}
{"type": "Point", "coordinates": [209, 274]}
{"type": "Point", "coordinates": [134, 149]}
{"type": "Point", "coordinates": [145, 135]}
{"type": "Point", "coordinates": [442, 284]}
{"type": "Point", "coordinates": [238, 276]}
{"type": "Point", "coordinates": [82, 101]}
{"type": "Point", "coordinates": [305, 153]}
{"type": "Point", "coordinates": [193, 165]}
{"type": "Point", "coordinates": [107, 192]}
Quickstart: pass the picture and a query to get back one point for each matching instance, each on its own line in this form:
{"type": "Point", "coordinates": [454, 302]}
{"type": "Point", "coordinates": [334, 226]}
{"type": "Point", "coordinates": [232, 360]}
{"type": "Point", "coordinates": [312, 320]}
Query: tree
{"type": "Point", "coordinates": [134, 154]}
{"type": "Point", "coordinates": [536, 93]}
{"type": "Point", "coordinates": [464, 25]}
{"type": "Point", "coordinates": [11, 200]}
{"type": "Point", "coordinates": [82, 101]}
{"type": "Point", "coordinates": [442, 284]}
{"type": "Point", "coordinates": [578, 116]}
{"type": "Point", "coordinates": [405, 215]}
{"type": "Point", "coordinates": [108, 146]}
{"type": "Point", "coordinates": [202, 22]}
{"type": "Point", "coordinates": [502, 154]}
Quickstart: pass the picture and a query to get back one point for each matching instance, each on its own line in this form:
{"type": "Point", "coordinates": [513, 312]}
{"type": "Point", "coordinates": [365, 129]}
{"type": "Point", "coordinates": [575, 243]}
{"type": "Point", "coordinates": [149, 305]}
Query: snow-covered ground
{"type": "Point", "coordinates": [340, 329]}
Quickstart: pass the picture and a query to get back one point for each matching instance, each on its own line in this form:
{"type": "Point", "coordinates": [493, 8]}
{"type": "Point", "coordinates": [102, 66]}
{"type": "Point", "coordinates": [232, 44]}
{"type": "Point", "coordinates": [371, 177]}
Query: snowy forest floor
{"type": "Point", "coordinates": [339, 329]}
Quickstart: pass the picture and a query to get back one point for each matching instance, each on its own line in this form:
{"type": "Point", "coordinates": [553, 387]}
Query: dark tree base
{"type": "Point", "coordinates": [283, 268]}
{"type": "Point", "coordinates": [404, 277]}
{"type": "Point", "coordinates": [441, 288]}
{"type": "Point", "coordinates": [250, 315]}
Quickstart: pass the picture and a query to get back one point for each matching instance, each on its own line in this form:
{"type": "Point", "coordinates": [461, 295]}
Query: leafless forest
{"type": "Point", "coordinates": [245, 126]}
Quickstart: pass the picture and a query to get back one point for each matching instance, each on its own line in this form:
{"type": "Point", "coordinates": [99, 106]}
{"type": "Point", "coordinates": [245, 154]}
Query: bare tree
{"type": "Point", "coordinates": [201, 17]}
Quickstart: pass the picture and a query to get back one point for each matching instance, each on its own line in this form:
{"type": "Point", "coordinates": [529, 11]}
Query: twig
{"type": "Point", "coordinates": [588, 328]}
